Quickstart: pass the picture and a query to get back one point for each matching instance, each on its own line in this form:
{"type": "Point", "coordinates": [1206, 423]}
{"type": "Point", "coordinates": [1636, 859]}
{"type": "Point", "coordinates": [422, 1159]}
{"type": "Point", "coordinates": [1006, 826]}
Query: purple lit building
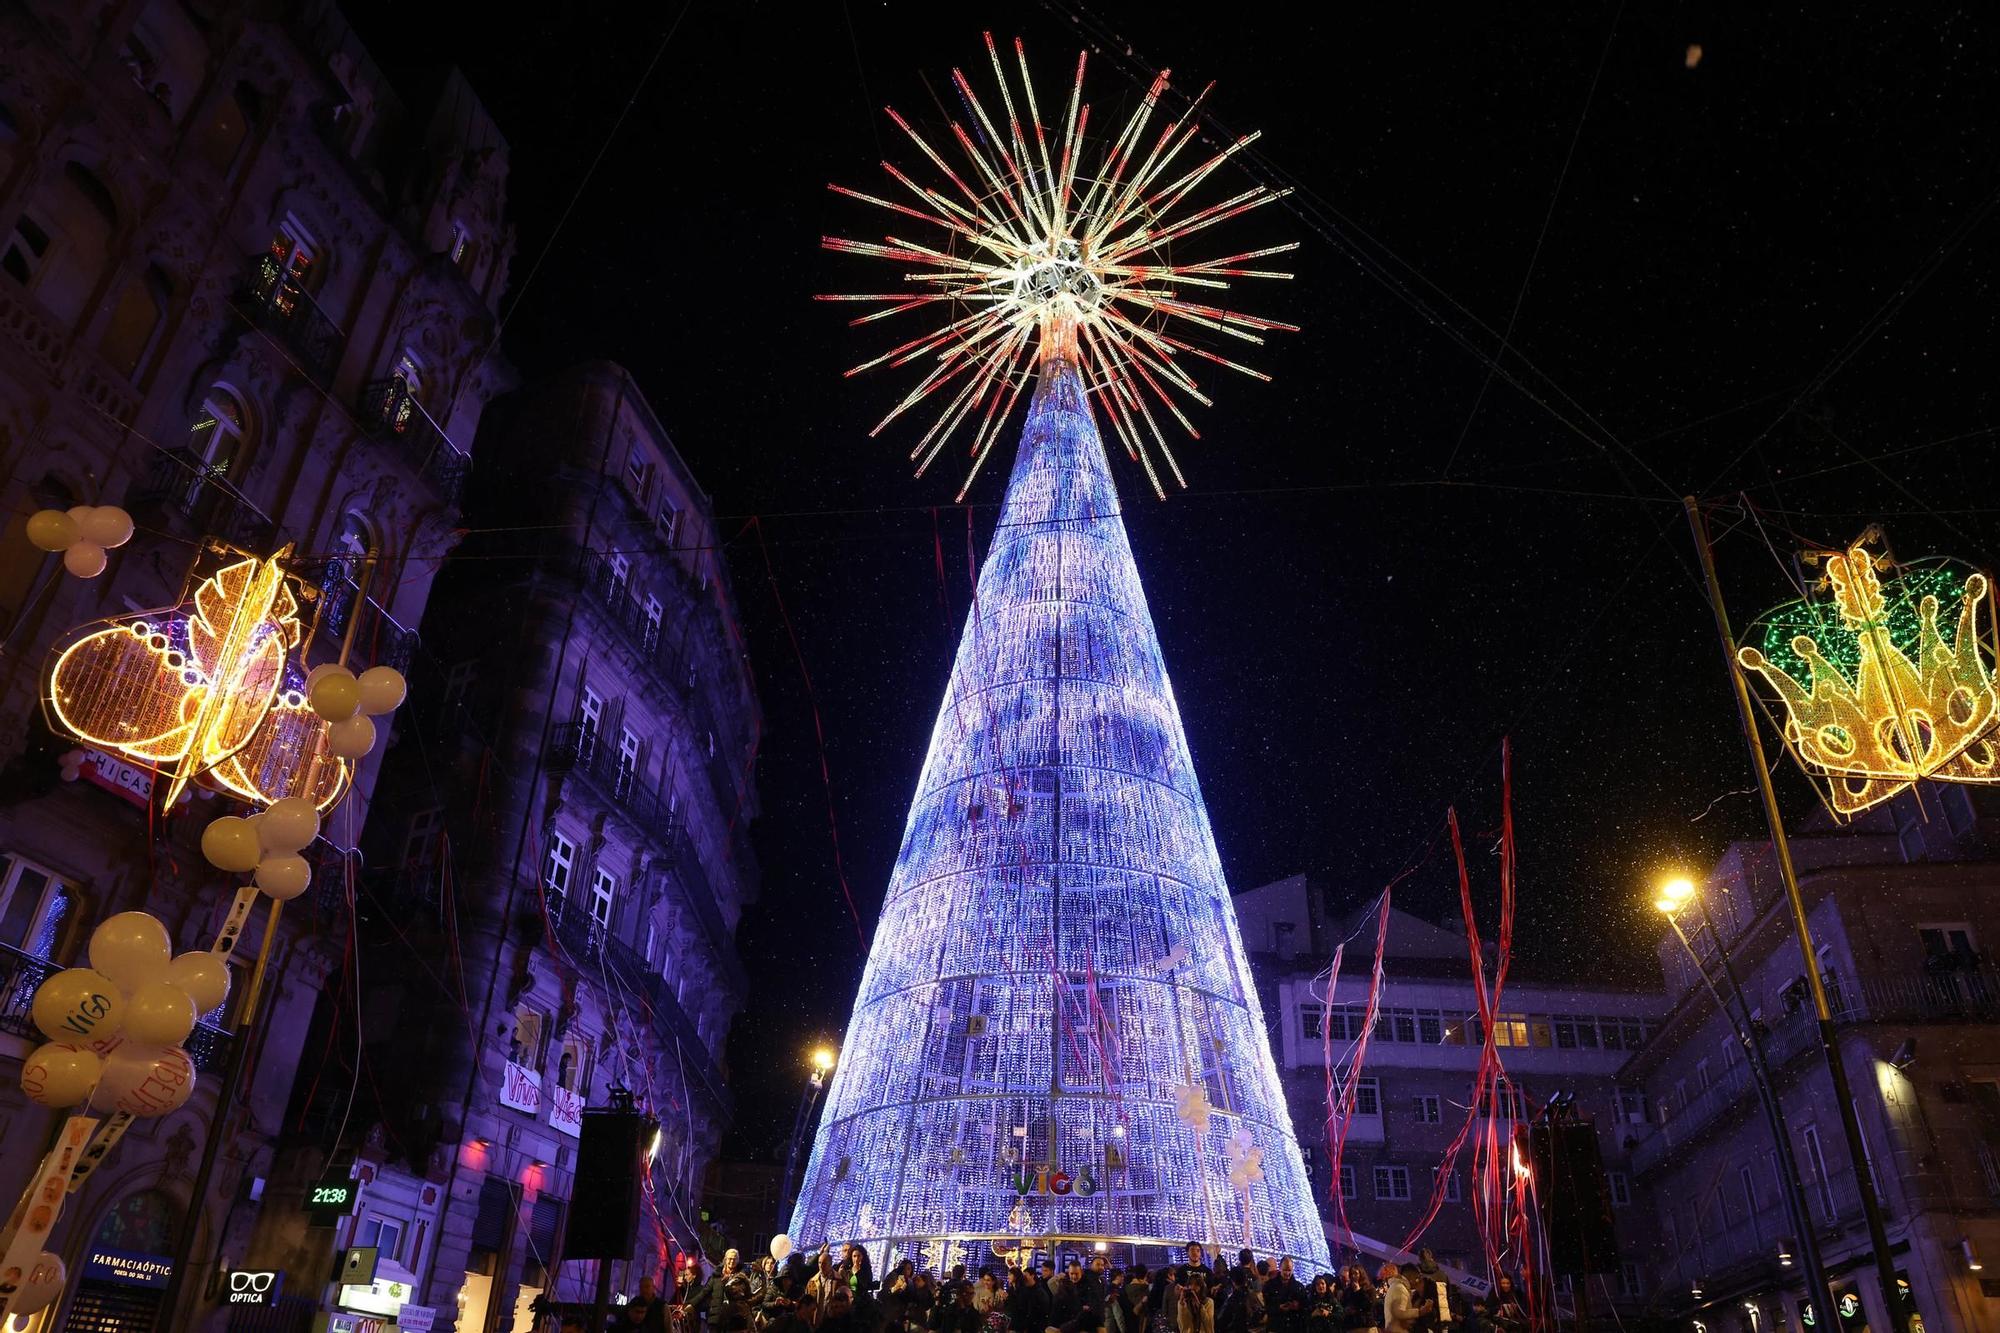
{"type": "Point", "coordinates": [246, 290]}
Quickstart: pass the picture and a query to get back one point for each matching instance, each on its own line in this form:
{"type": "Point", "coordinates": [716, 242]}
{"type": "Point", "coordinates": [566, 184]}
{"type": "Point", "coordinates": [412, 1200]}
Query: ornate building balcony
{"type": "Point", "coordinates": [379, 639]}
{"type": "Point", "coordinates": [276, 303]}
{"type": "Point", "coordinates": [21, 973]}
{"type": "Point", "coordinates": [390, 412]}
{"type": "Point", "coordinates": [185, 492]}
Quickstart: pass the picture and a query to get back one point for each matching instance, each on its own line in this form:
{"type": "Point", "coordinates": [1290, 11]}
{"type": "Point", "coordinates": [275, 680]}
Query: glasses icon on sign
{"type": "Point", "coordinates": [253, 1282]}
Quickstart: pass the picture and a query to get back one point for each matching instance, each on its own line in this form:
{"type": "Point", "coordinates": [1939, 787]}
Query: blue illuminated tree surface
{"type": "Point", "coordinates": [1057, 983]}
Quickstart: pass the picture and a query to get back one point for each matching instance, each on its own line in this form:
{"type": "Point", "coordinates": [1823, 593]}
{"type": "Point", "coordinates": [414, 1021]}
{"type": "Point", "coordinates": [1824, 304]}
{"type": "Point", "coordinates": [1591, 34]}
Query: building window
{"type": "Point", "coordinates": [461, 241]}
{"type": "Point", "coordinates": [1948, 947]}
{"type": "Point", "coordinates": [652, 944]}
{"type": "Point", "coordinates": [1732, 1050]}
{"type": "Point", "coordinates": [384, 1234]}
{"type": "Point", "coordinates": [1702, 1077]}
{"type": "Point", "coordinates": [1748, 1177]}
{"type": "Point", "coordinates": [25, 250]}
{"type": "Point", "coordinates": [1563, 1028]}
{"type": "Point", "coordinates": [34, 904]}
{"type": "Point", "coordinates": [1312, 1018]}
{"type": "Point", "coordinates": [573, 1066]}
{"type": "Point", "coordinates": [458, 680]}
{"type": "Point", "coordinates": [1510, 1030]}
{"type": "Point", "coordinates": [621, 571]}
{"type": "Point", "coordinates": [296, 257]}
{"type": "Point", "coordinates": [603, 893]}
{"type": "Point", "coordinates": [561, 862]}
{"type": "Point", "coordinates": [1451, 1190]}
{"type": "Point", "coordinates": [1368, 1097]}
{"type": "Point", "coordinates": [1629, 1285]}
{"type": "Point", "coordinates": [421, 841]}
{"type": "Point", "coordinates": [1632, 1105]}
{"type": "Point", "coordinates": [1430, 1109]}
{"type": "Point", "coordinates": [1348, 1189]}
{"type": "Point", "coordinates": [1430, 1027]}
{"type": "Point", "coordinates": [1392, 1182]}
{"type": "Point", "coordinates": [589, 713]}
{"type": "Point", "coordinates": [655, 613]}
{"type": "Point", "coordinates": [525, 1048]}
{"type": "Point", "coordinates": [628, 761]}
{"type": "Point", "coordinates": [639, 475]}
{"type": "Point", "coordinates": [1620, 1186]}
{"type": "Point", "coordinates": [668, 524]}
{"type": "Point", "coordinates": [141, 309]}
{"type": "Point", "coordinates": [216, 437]}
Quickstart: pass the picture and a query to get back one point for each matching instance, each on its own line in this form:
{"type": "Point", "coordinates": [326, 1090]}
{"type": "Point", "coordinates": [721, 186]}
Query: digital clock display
{"type": "Point", "coordinates": [331, 1200]}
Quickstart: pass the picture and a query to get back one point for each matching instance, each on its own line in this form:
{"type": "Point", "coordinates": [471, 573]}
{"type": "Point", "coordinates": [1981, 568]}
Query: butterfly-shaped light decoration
{"type": "Point", "coordinates": [206, 691]}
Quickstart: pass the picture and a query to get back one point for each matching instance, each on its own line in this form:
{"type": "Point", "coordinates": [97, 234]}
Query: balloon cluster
{"type": "Point", "coordinates": [1191, 1104]}
{"type": "Point", "coordinates": [268, 844]}
{"type": "Point", "coordinates": [1246, 1160]}
{"type": "Point", "coordinates": [350, 702]}
{"type": "Point", "coordinates": [115, 1028]}
{"type": "Point", "coordinates": [83, 534]}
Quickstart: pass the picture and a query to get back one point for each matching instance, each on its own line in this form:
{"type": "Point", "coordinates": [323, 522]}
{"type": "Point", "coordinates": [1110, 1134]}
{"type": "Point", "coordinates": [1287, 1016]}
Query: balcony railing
{"type": "Point", "coordinates": [275, 302]}
{"type": "Point", "coordinates": [586, 941]}
{"type": "Point", "coordinates": [379, 639]}
{"type": "Point", "coordinates": [21, 973]}
{"type": "Point", "coordinates": [389, 411]}
{"type": "Point", "coordinates": [187, 491]}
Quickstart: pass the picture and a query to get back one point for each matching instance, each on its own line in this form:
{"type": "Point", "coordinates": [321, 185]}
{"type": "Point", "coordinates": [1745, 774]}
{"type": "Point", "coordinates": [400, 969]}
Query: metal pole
{"type": "Point", "coordinates": [1774, 1115]}
{"type": "Point", "coordinates": [1781, 847]}
{"type": "Point", "coordinates": [602, 1318]}
{"type": "Point", "coordinates": [806, 1099]}
{"type": "Point", "coordinates": [232, 1077]}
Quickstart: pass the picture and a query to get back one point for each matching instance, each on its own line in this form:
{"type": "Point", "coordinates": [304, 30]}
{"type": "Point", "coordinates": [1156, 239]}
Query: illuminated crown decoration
{"type": "Point", "coordinates": [205, 691]}
{"type": "Point", "coordinates": [1876, 695]}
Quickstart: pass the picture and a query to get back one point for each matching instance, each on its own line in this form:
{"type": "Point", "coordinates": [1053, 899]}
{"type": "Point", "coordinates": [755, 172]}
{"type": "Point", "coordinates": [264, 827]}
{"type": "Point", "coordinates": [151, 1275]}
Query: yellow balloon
{"type": "Point", "coordinates": [59, 1074]}
{"type": "Point", "coordinates": [231, 844]}
{"type": "Point", "coordinates": [203, 975]}
{"type": "Point", "coordinates": [290, 824]}
{"type": "Point", "coordinates": [53, 530]}
{"type": "Point", "coordinates": [41, 1287]}
{"type": "Point", "coordinates": [159, 1013]}
{"type": "Point", "coordinates": [107, 525]}
{"type": "Point", "coordinates": [146, 1080]}
{"type": "Point", "coordinates": [131, 948]}
{"type": "Point", "coordinates": [336, 696]}
{"type": "Point", "coordinates": [382, 689]}
{"type": "Point", "coordinates": [284, 875]}
{"type": "Point", "coordinates": [78, 1004]}
{"type": "Point", "coordinates": [351, 739]}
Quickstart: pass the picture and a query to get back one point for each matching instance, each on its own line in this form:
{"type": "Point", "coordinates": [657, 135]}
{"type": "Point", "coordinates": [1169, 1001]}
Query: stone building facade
{"type": "Point", "coordinates": [248, 292]}
{"type": "Point", "coordinates": [1904, 907]}
{"type": "Point", "coordinates": [551, 910]}
{"type": "Point", "coordinates": [1553, 1038]}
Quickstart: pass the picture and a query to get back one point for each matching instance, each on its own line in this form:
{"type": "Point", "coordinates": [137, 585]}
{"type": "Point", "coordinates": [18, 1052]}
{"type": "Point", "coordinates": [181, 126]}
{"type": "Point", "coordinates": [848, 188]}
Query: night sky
{"type": "Point", "coordinates": [1774, 272]}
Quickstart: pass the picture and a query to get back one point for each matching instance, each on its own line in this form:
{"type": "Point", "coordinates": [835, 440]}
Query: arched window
{"type": "Point", "coordinates": [141, 309]}
{"type": "Point", "coordinates": [216, 437]}
{"type": "Point", "coordinates": [142, 1223]}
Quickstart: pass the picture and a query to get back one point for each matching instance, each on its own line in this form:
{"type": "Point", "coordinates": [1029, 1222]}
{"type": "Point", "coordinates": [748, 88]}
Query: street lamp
{"type": "Point", "coordinates": [1676, 894]}
{"type": "Point", "coordinates": [821, 1060]}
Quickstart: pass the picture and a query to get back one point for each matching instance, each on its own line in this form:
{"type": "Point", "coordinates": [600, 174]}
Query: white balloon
{"type": "Point", "coordinates": [106, 525]}
{"type": "Point", "coordinates": [382, 689]}
{"type": "Point", "coordinates": [284, 875]}
{"type": "Point", "coordinates": [59, 1074]}
{"type": "Point", "coordinates": [41, 1286]}
{"type": "Point", "coordinates": [132, 948]}
{"type": "Point", "coordinates": [145, 1080]}
{"type": "Point", "coordinates": [78, 1004]}
{"type": "Point", "coordinates": [203, 975]}
{"type": "Point", "coordinates": [288, 825]}
{"type": "Point", "coordinates": [231, 843]}
{"type": "Point", "coordinates": [85, 559]}
{"type": "Point", "coordinates": [159, 1013]}
{"type": "Point", "coordinates": [781, 1246]}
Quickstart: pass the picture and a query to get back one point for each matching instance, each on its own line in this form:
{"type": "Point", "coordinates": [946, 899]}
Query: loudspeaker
{"type": "Point", "coordinates": [610, 1162]}
{"type": "Point", "coordinates": [1574, 1200]}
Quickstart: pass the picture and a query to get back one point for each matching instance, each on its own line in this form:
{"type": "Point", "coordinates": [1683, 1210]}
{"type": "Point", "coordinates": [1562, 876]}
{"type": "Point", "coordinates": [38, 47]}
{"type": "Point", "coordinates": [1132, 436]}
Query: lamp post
{"type": "Point", "coordinates": [1676, 894]}
{"type": "Point", "coordinates": [821, 1060]}
{"type": "Point", "coordinates": [1781, 850]}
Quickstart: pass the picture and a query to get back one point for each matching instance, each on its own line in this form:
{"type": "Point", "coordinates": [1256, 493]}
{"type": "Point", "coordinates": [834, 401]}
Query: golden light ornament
{"type": "Point", "coordinates": [1876, 696]}
{"type": "Point", "coordinates": [202, 691]}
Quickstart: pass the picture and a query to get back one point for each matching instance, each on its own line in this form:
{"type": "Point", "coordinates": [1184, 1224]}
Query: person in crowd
{"type": "Point", "coordinates": [644, 1312]}
{"type": "Point", "coordinates": [1066, 1296]}
{"type": "Point", "coordinates": [923, 1299]}
{"type": "Point", "coordinates": [857, 1274]}
{"type": "Point", "coordinates": [1194, 1309]}
{"type": "Point", "coordinates": [792, 1316]}
{"type": "Point", "coordinates": [1235, 1314]}
{"type": "Point", "coordinates": [955, 1311]}
{"type": "Point", "coordinates": [987, 1294]}
{"type": "Point", "coordinates": [1027, 1301]}
{"type": "Point", "coordinates": [1401, 1307]}
{"type": "Point", "coordinates": [895, 1298]}
{"type": "Point", "coordinates": [1284, 1299]}
{"type": "Point", "coordinates": [1323, 1306]}
{"type": "Point", "coordinates": [838, 1316]}
{"type": "Point", "coordinates": [1433, 1287]}
{"type": "Point", "coordinates": [725, 1301]}
{"type": "Point", "coordinates": [1127, 1310]}
{"type": "Point", "coordinates": [1504, 1313]}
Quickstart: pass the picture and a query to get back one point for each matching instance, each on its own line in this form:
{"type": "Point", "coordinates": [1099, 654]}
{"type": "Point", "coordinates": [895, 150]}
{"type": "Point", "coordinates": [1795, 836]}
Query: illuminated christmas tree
{"type": "Point", "coordinates": [1057, 1036]}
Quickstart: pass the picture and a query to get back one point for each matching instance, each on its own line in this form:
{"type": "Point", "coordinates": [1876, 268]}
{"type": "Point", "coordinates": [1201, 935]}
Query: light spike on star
{"type": "Point", "coordinates": [1044, 247]}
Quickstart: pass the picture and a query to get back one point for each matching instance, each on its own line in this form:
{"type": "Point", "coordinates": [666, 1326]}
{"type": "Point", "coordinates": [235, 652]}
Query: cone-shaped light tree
{"type": "Point", "coordinates": [1057, 1036]}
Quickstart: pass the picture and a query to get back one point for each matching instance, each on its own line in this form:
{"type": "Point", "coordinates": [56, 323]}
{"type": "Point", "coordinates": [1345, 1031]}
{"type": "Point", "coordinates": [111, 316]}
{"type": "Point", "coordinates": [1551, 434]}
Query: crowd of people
{"type": "Point", "coordinates": [823, 1294]}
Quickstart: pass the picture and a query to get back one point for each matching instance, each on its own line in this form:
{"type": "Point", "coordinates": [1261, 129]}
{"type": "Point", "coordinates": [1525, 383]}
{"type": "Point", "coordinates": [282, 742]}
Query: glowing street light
{"type": "Point", "coordinates": [821, 1060]}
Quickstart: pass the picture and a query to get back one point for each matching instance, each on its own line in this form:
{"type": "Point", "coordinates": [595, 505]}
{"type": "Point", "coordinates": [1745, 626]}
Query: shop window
{"type": "Point", "coordinates": [35, 904]}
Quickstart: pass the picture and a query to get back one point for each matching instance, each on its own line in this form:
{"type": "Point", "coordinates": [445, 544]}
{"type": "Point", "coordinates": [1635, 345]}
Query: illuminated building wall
{"type": "Point", "coordinates": [1057, 959]}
